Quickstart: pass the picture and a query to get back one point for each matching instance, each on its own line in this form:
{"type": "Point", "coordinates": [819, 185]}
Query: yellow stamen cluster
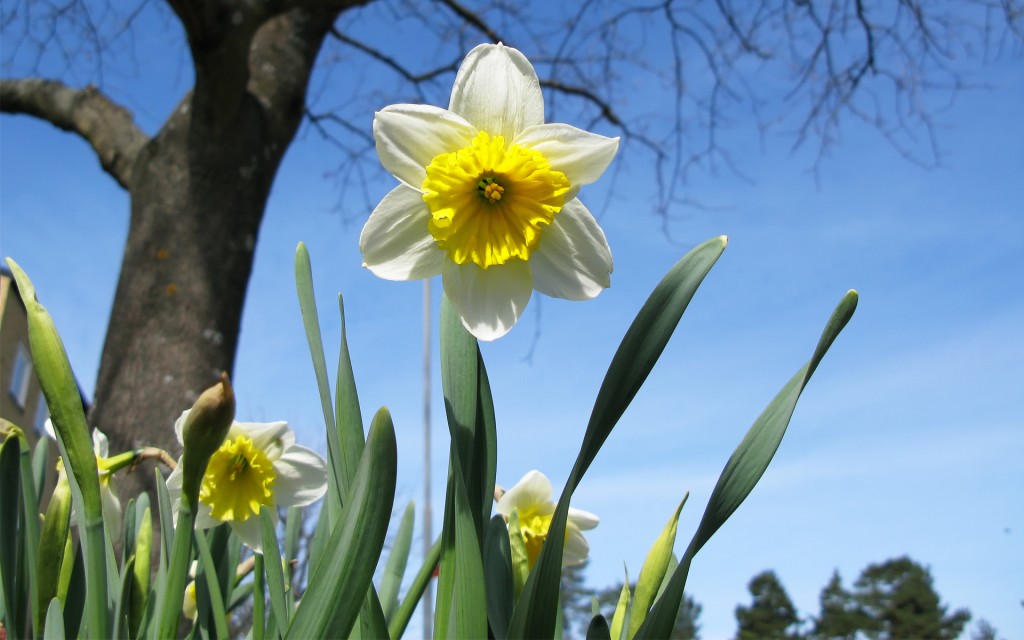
{"type": "Point", "coordinates": [489, 202]}
{"type": "Point", "coordinates": [238, 480]}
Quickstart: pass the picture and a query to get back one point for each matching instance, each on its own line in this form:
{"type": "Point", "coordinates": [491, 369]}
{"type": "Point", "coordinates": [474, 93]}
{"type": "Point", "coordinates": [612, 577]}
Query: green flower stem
{"type": "Point", "coordinates": [169, 615]}
{"type": "Point", "coordinates": [259, 598]}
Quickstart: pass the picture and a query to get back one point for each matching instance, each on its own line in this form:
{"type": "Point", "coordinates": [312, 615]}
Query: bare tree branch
{"type": "Point", "coordinates": [105, 125]}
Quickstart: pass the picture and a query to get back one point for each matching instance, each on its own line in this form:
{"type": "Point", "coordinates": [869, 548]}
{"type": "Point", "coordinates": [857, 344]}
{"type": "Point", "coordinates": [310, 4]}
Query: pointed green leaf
{"type": "Point", "coordinates": [338, 585]}
{"type": "Point", "coordinates": [462, 602]}
{"type": "Point", "coordinates": [311, 323]}
{"type": "Point", "coordinates": [498, 573]}
{"type": "Point", "coordinates": [54, 629]}
{"type": "Point", "coordinates": [273, 569]}
{"type": "Point", "coordinates": [744, 468]}
{"type": "Point", "coordinates": [641, 347]}
{"type": "Point", "coordinates": [348, 417]}
{"type": "Point", "coordinates": [399, 622]}
{"type": "Point", "coordinates": [394, 570]}
{"type": "Point", "coordinates": [598, 629]}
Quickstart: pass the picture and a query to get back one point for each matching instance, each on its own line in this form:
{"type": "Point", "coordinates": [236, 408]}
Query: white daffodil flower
{"type": "Point", "coordinates": [111, 504]}
{"type": "Point", "coordinates": [531, 498]}
{"type": "Point", "coordinates": [488, 196]}
{"type": "Point", "coordinates": [258, 464]}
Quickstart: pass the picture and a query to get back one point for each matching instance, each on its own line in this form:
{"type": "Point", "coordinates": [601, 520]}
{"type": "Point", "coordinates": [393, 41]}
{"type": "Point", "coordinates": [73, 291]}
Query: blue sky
{"type": "Point", "coordinates": [907, 441]}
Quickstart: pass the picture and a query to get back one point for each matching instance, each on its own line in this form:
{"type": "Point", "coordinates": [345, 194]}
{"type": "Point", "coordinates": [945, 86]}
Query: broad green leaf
{"type": "Point", "coordinates": [744, 468]}
{"type": "Point", "coordinates": [54, 629]}
{"type": "Point", "coordinates": [652, 574]}
{"type": "Point", "coordinates": [498, 574]}
{"type": "Point", "coordinates": [30, 523]}
{"type": "Point", "coordinates": [75, 597]}
{"type": "Point", "coordinates": [12, 537]}
{"type": "Point", "coordinates": [212, 585]}
{"type": "Point", "coordinates": [598, 629]}
{"type": "Point", "coordinates": [338, 585]}
{"type": "Point", "coordinates": [461, 610]}
{"type": "Point", "coordinates": [399, 622]}
{"type": "Point", "coordinates": [40, 468]}
{"type": "Point", "coordinates": [461, 598]}
{"type": "Point", "coordinates": [65, 403]}
{"type": "Point", "coordinates": [535, 613]}
{"type": "Point", "coordinates": [273, 569]}
{"type": "Point", "coordinates": [394, 570]}
{"type": "Point", "coordinates": [470, 414]}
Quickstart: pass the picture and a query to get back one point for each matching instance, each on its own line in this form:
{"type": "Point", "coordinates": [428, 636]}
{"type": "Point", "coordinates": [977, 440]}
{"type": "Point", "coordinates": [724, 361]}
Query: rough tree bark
{"type": "Point", "coordinates": [198, 191]}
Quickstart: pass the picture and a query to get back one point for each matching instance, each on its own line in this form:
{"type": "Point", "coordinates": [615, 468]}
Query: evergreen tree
{"type": "Point", "coordinates": [771, 614]}
{"type": "Point", "coordinates": [840, 616]}
{"type": "Point", "coordinates": [899, 601]}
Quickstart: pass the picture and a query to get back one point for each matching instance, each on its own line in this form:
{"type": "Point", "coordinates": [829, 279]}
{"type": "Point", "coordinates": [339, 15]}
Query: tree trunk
{"type": "Point", "coordinates": [198, 193]}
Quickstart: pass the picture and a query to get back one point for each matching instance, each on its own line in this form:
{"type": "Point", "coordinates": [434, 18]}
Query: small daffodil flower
{"type": "Point", "coordinates": [107, 466]}
{"type": "Point", "coordinates": [258, 464]}
{"type": "Point", "coordinates": [488, 196]}
{"type": "Point", "coordinates": [531, 499]}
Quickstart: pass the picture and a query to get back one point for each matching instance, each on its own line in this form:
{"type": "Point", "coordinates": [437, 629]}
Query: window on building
{"type": "Point", "coordinates": [20, 376]}
{"type": "Point", "coordinates": [42, 413]}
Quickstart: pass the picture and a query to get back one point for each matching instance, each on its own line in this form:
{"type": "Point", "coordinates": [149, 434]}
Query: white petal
{"type": "Point", "coordinates": [204, 517]}
{"type": "Point", "coordinates": [173, 483]}
{"type": "Point", "coordinates": [532, 491]}
{"type": "Point", "coordinates": [48, 428]}
{"type": "Point", "coordinates": [576, 548]}
{"type": "Point", "coordinates": [250, 531]}
{"type": "Point", "coordinates": [111, 507]}
{"type": "Point", "coordinates": [497, 90]}
{"type": "Point", "coordinates": [409, 136]}
{"type": "Point", "coordinates": [489, 301]}
{"type": "Point", "coordinates": [583, 520]}
{"type": "Point", "coordinates": [301, 477]}
{"type": "Point", "coordinates": [273, 438]}
{"type": "Point", "coordinates": [396, 242]}
{"type": "Point", "coordinates": [582, 156]}
{"type": "Point", "coordinates": [573, 260]}
{"type": "Point", "coordinates": [100, 445]}
{"type": "Point", "coordinates": [178, 424]}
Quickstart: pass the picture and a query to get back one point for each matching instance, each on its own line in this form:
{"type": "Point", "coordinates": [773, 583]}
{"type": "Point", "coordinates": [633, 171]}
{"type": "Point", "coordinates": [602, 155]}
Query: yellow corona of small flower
{"type": "Point", "coordinates": [488, 196]}
{"type": "Point", "coordinates": [258, 464]}
{"type": "Point", "coordinates": [531, 498]}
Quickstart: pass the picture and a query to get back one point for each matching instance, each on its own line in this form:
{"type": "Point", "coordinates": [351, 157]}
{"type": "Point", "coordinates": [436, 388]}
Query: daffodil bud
{"type": "Point", "coordinates": [52, 541]}
{"type": "Point", "coordinates": [203, 432]}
